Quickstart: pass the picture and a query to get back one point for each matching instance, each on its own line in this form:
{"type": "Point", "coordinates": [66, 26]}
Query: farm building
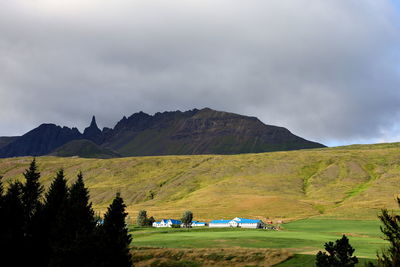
{"type": "Point", "coordinates": [167, 223]}
{"type": "Point", "coordinates": [247, 223]}
{"type": "Point", "coordinates": [220, 223]}
{"type": "Point", "coordinates": [237, 222]}
{"type": "Point", "coordinates": [196, 224]}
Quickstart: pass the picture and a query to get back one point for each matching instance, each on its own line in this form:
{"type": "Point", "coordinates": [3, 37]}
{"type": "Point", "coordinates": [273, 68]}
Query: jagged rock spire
{"type": "Point", "coordinates": [93, 124]}
{"type": "Point", "coordinates": [93, 132]}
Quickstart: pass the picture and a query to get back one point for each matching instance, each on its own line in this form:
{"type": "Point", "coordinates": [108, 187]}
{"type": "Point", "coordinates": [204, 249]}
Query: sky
{"type": "Point", "coordinates": [328, 70]}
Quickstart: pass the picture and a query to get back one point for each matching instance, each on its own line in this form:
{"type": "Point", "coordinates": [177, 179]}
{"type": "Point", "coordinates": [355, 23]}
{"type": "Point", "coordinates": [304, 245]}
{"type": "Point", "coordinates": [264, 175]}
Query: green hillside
{"type": "Point", "coordinates": [347, 182]}
{"type": "Point", "coordinates": [85, 149]}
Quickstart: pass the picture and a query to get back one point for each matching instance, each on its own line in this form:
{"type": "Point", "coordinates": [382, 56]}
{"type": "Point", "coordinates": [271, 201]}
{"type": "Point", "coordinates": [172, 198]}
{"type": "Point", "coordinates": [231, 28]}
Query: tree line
{"type": "Point", "coordinates": [59, 227]}
{"type": "Point", "coordinates": [142, 220]}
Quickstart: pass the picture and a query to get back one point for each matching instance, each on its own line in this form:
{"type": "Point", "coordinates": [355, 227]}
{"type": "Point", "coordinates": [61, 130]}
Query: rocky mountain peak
{"type": "Point", "coordinates": [93, 132]}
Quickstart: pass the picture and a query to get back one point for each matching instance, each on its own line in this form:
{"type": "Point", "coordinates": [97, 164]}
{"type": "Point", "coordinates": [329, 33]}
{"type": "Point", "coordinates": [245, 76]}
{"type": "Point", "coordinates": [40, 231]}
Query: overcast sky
{"type": "Point", "coordinates": [328, 70]}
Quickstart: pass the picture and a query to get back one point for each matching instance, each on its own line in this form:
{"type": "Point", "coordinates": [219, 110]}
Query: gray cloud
{"type": "Point", "coordinates": [327, 70]}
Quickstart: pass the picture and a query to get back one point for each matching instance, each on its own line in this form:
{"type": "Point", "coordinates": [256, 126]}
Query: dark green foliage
{"type": "Point", "coordinates": [150, 221]}
{"type": "Point", "coordinates": [142, 218]}
{"type": "Point", "coordinates": [61, 230]}
{"type": "Point", "coordinates": [12, 234]}
{"type": "Point", "coordinates": [187, 218]}
{"type": "Point", "coordinates": [340, 254]}
{"type": "Point", "coordinates": [31, 191]}
{"type": "Point", "coordinates": [53, 223]}
{"type": "Point", "coordinates": [75, 228]}
{"type": "Point", "coordinates": [391, 229]}
{"type": "Point", "coordinates": [32, 206]}
{"type": "Point", "coordinates": [115, 239]}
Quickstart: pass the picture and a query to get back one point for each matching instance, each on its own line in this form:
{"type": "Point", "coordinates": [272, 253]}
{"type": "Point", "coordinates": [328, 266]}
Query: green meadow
{"type": "Point", "coordinates": [304, 238]}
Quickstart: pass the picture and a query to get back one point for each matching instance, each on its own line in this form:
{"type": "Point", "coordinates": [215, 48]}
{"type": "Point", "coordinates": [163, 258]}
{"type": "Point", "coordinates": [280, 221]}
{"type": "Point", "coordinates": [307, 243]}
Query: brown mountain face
{"type": "Point", "coordinates": [204, 131]}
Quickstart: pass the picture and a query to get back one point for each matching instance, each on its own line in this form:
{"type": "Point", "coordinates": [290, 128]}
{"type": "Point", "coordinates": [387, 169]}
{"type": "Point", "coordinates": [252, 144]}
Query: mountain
{"type": "Point", "coordinates": [204, 131]}
{"type": "Point", "coordinates": [40, 141]}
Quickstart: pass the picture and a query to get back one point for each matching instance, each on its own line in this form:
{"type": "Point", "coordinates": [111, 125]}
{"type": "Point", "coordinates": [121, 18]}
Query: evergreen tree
{"type": "Point", "coordinates": [115, 238]}
{"type": "Point", "coordinates": [31, 192]}
{"type": "Point", "coordinates": [340, 254]}
{"type": "Point", "coordinates": [81, 206]}
{"type": "Point", "coordinates": [12, 235]}
{"type": "Point", "coordinates": [75, 242]}
{"type": "Point", "coordinates": [187, 218]}
{"type": "Point", "coordinates": [391, 230]}
{"type": "Point", "coordinates": [32, 206]}
{"type": "Point", "coordinates": [142, 218]}
{"type": "Point", "coordinates": [52, 220]}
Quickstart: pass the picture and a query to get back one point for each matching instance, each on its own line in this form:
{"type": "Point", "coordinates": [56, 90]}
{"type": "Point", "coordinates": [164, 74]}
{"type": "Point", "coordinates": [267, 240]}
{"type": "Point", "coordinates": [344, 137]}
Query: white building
{"type": "Point", "coordinates": [197, 224]}
{"type": "Point", "coordinates": [220, 223]}
{"type": "Point", "coordinates": [237, 222]}
{"type": "Point", "coordinates": [166, 223]}
{"type": "Point", "coordinates": [247, 223]}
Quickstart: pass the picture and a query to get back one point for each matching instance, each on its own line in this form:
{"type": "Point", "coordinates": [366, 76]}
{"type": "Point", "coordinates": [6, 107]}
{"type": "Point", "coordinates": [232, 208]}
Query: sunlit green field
{"type": "Point", "coordinates": [301, 237]}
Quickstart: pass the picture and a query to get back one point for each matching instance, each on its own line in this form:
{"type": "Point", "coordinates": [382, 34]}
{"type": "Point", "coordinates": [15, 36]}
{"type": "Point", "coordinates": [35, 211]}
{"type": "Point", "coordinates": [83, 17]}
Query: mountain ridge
{"type": "Point", "coordinates": [195, 131]}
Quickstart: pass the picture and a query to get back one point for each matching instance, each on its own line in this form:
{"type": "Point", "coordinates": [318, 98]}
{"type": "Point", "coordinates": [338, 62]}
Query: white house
{"type": "Point", "coordinates": [166, 223]}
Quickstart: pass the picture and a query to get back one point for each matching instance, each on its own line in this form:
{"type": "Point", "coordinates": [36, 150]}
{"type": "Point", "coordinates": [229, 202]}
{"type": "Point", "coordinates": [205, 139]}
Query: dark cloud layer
{"type": "Point", "coordinates": [328, 70]}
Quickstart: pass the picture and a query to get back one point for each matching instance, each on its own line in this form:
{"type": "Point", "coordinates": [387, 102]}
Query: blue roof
{"type": "Point", "coordinates": [242, 220]}
{"type": "Point", "coordinates": [220, 221]}
{"type": "Point", "coordinates": [196, 222]}
{"type": "Point", "coordinates": [175, 221]}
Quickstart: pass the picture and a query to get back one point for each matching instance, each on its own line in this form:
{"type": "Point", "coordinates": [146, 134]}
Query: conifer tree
{"type": "Point", "coordinates": [32, 206]}
{"type": "Point", "coordinates": [340, 254]}
{"type": "Point", "coordinates": [115, 237]}
{"type": "Point", "coordinates": [391, 229]}
{"type": "Point", "coordinates": [12, 236]}
{"type": "Point", "coordinates": [75, 242]}
{"type": "Point", "coordinates": [52, 220]}
{"type": "Point", "coordinates": [81, 207]}
{"type": "Point", "coordinates": [31, 192]}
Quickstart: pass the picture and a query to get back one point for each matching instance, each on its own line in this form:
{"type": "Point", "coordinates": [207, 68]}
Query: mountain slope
{"type": "Point", "coordinates": [347, 182]}
{"type": "Point", "coordinates": [83, 148]}
{"type": "Point", "coordinates": [192, 132]}
{"type": "Point", "coordinates": [5, 140]}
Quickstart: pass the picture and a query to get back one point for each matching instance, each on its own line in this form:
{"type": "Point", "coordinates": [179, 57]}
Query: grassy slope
{"type": "Point", "coordinates": [348, 182]}
{"type": "Point", "coordinates": [83, 148]}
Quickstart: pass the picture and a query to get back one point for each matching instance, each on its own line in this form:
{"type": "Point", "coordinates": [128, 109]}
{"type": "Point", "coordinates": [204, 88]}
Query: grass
{"type": "Point", "coordinates": [304, 238]}
{"type": "Point", "coordinates": [208, 257]}
{"type": "Point", "coordinates": [299, 260]}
